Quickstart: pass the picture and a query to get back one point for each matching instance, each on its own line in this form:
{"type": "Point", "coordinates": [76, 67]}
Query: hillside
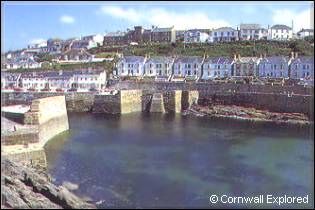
{"type": "Point", "coordinates": [245, 48]}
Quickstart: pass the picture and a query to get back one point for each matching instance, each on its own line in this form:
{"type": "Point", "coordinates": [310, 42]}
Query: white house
{"type": "Point", "coordinates": [131, 66]}
{"type": "Point", "coordinates": [217, 67]}
{"type": "Point", "coordinates": [97, 39]}
{"type": "Point", "coordinates": [89, 79]}
{"type": "Point", "coordinates": [275, 67]}
{"type": "Point", "coordinates": [76, 55]}
{"type": "Point", "coordinates": [252, 32]}
{"type": "Point", "coordinates": [225, 34]}
{"type": "Point", "coordinates": [195, 36]}
{"type": "Point", "coordinates": [189, 67]}
{"type": "Point", "coordinates": [26, 62]}
{"type": "Point", "coordinates": [245, 66]}
{"type": "Point", "coordinates": [305, 33]}
{"type": "Point", "coordinates": [280, 32]}
{"type": "Point", "coordinates": [302, 67]}
{"type": "Point", "coordinates": [33, 80]}
{"type": "Point", "coordinates": [10, 80]}
{"type": "Point", "coordinates": [158, 66]}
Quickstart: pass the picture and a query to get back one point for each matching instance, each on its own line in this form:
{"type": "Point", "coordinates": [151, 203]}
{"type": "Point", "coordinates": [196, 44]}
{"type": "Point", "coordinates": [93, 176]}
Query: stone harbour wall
{"type": "Point", "coordinates": [45, 109]}
{"type": "Point", "coordinates": [157, 104]}
{"type": "Point", "coordinates": [19, 138]}
{"type": "Point", "coordinates": [212, 88]}
{"type": "Point", "coordinates": [75, 102]}
{"type": "Point", "coordinates": [130, 101]}
{"type": "Point", "coordinates": [34, 158]}
{"type": "Point", "coordinates": [125, 101]}
{"type": "Point", "coordinates": [107, 104]}
{"type": "Point", "coordinates": [189, 98]}
{"type": "Point", "coordinates": [173, 101]}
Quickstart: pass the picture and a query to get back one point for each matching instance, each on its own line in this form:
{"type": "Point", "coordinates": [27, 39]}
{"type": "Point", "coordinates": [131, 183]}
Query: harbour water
{"type": "Point", "coordinates": [145, 160]}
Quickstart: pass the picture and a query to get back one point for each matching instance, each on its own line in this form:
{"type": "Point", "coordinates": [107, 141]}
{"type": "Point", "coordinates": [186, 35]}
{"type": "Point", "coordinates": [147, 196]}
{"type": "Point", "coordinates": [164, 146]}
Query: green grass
{"type": "Point", "coordinates": [245, 48]}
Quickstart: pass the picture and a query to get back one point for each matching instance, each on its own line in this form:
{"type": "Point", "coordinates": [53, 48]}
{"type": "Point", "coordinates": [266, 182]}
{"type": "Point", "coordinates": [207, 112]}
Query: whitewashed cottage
{"type": "Point", "coordinates": [159, 66]}
{"type": "Point", "coordinates": [131, 66]}
{"type": "Point", "coordinates": [188, 67]}
{"type": "Point", "coordinates": [302, 67]}
{"type": "Point", "coordinates": [274, 67]}
{"type": "Point", "coordinates": [224, 34]}
{"type": "Point", "coordinates": [217, 67]}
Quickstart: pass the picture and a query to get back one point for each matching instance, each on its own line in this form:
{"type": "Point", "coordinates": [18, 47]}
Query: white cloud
{"type": "Point", "coordinates": [67, 19]}
{"type": "Point", "coordinates": [300, 19]}
{"type": "Point", "coordinates": [128, 14]}
{"type": "Point", "coordinates": [163, 18]}
{"type": "Point", "coordinates": [37, 41]}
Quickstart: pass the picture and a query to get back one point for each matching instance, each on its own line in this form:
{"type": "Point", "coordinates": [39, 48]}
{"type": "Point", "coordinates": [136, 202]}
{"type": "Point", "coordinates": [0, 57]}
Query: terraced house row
{"type": "Point", "coordinates": [205, 68]}
{"type": "Point", "coordinates": [55, 80]}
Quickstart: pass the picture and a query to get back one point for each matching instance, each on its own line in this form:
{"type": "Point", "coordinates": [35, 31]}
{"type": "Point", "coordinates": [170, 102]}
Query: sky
{"type": "Point", "coordinates": [31, 22]}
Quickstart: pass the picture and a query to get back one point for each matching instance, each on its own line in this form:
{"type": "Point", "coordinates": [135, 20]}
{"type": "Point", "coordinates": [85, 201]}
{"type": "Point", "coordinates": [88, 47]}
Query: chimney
{"type": "Point", "coordinates": [239, 56]}
{"type": "Point", "coordinates": [296, 54]}
{"type": "Point", "coordinates": [292, 55]}
{"type": "Point", "coordinates": [265, 55]}
{"type": "Point", "coordinates": [234, 56]}
{"type": "Point", "coordinates": [60, 72]}
{"type": "Point", "coordinates": [261, 56]}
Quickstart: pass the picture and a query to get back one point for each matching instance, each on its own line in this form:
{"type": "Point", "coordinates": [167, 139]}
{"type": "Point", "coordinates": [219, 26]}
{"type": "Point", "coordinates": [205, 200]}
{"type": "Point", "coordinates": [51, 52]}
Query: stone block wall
{"type": "Point", "coordinates": [173, 101]}
{"type": "Point", "coordinates": [189, 98]}
{"type": "Point", "coordinates": [35, 158]}
{"type": "Point", "coordinates": [157, 104]}
{"type": "Point", "coordinates": [75, 102]}
{"type": "Point", "coordinates": [106, 104]}
{"type": "Point", "coordinates": [130, 101]}
{"type": "Point", "coordinates": [146, 102]}
{"type": "Point", "coordinates": [45, 109]}
{"type": "Point", "coordinates": [19, 138]}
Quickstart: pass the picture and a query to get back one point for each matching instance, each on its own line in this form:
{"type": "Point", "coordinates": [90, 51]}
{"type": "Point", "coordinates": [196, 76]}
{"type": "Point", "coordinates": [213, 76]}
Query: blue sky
{"type": "Point", "coordinates": [25, 23]}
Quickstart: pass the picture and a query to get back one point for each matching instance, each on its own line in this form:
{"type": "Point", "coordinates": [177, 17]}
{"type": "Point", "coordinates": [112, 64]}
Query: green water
{"type": "Point", "coordinates": [154, 160]}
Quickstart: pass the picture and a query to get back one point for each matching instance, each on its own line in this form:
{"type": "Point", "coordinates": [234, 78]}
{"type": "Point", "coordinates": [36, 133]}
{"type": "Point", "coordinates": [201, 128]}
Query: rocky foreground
{"type": "Point", "coordinates": [246, 113]}
{"type": "Point", "coordinates": [23, 187]}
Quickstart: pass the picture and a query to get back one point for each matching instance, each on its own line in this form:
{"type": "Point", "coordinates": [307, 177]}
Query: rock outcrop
{"type": "Point", "coordinates": [23, 187]}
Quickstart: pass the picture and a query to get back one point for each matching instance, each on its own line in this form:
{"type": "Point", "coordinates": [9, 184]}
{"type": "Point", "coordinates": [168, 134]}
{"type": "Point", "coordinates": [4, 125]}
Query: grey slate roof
{"type": "Point", "coordinates": [303, 59]}
{"type": "Point", "coordinates": [306, 30]}
{"type": "Point", "coordinates": [189, 59]}
{"type": "Point", "coordinates": [117, 33]}
{"type": "Point", "coordinates": [10, 76]}
{"type": "Point", "coordinates": [219, 60]}
{"type": "Point", "coordinates": [275, 60]}
{"type": "Point", "coordinates": [281, 27]}
{"type": "Point", "coordinates": [74, 52]}
{"type": "Point", "coordinates": [224, 29]}
{"type": "Point", "coordinates": [162, 29]}
{"type": "Point", "coordinates": [250, 26]}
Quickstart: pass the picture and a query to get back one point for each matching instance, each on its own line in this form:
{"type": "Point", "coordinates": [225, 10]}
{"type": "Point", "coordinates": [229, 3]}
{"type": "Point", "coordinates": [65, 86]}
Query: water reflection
{"type": "Point", "coordinates": [163, 160]}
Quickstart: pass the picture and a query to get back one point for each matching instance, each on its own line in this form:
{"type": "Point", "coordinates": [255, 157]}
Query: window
{"type": "Point", "coordinates": [195, 65]}
{"type": "Point", "coordinates": [218, 66]}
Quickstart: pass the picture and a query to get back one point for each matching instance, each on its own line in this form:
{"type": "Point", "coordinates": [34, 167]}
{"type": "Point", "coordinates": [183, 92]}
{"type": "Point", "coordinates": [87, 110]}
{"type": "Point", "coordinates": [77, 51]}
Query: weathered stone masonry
{"type": "Point", "coordinates": [124, 101]}
{"type": "Point", "coordinates": [49, 118]}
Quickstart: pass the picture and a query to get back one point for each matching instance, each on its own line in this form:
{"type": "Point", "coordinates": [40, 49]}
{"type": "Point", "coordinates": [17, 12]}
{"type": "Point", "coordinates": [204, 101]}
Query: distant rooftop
{"type": "Point", "coordinates": [281, 27]}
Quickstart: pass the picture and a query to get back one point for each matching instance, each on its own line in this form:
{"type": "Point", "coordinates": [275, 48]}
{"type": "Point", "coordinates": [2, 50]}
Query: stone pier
{"type": "Point", "coordinates": [173, 101]}
{"type": "Point", "coordinates": [157, 104]}
{"type": "Point", "coordinates": [46, 118]}
{"type": "Point", "coordinates": [189, 98]}
{"type": "Point", "coordinates": [121, 102]}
